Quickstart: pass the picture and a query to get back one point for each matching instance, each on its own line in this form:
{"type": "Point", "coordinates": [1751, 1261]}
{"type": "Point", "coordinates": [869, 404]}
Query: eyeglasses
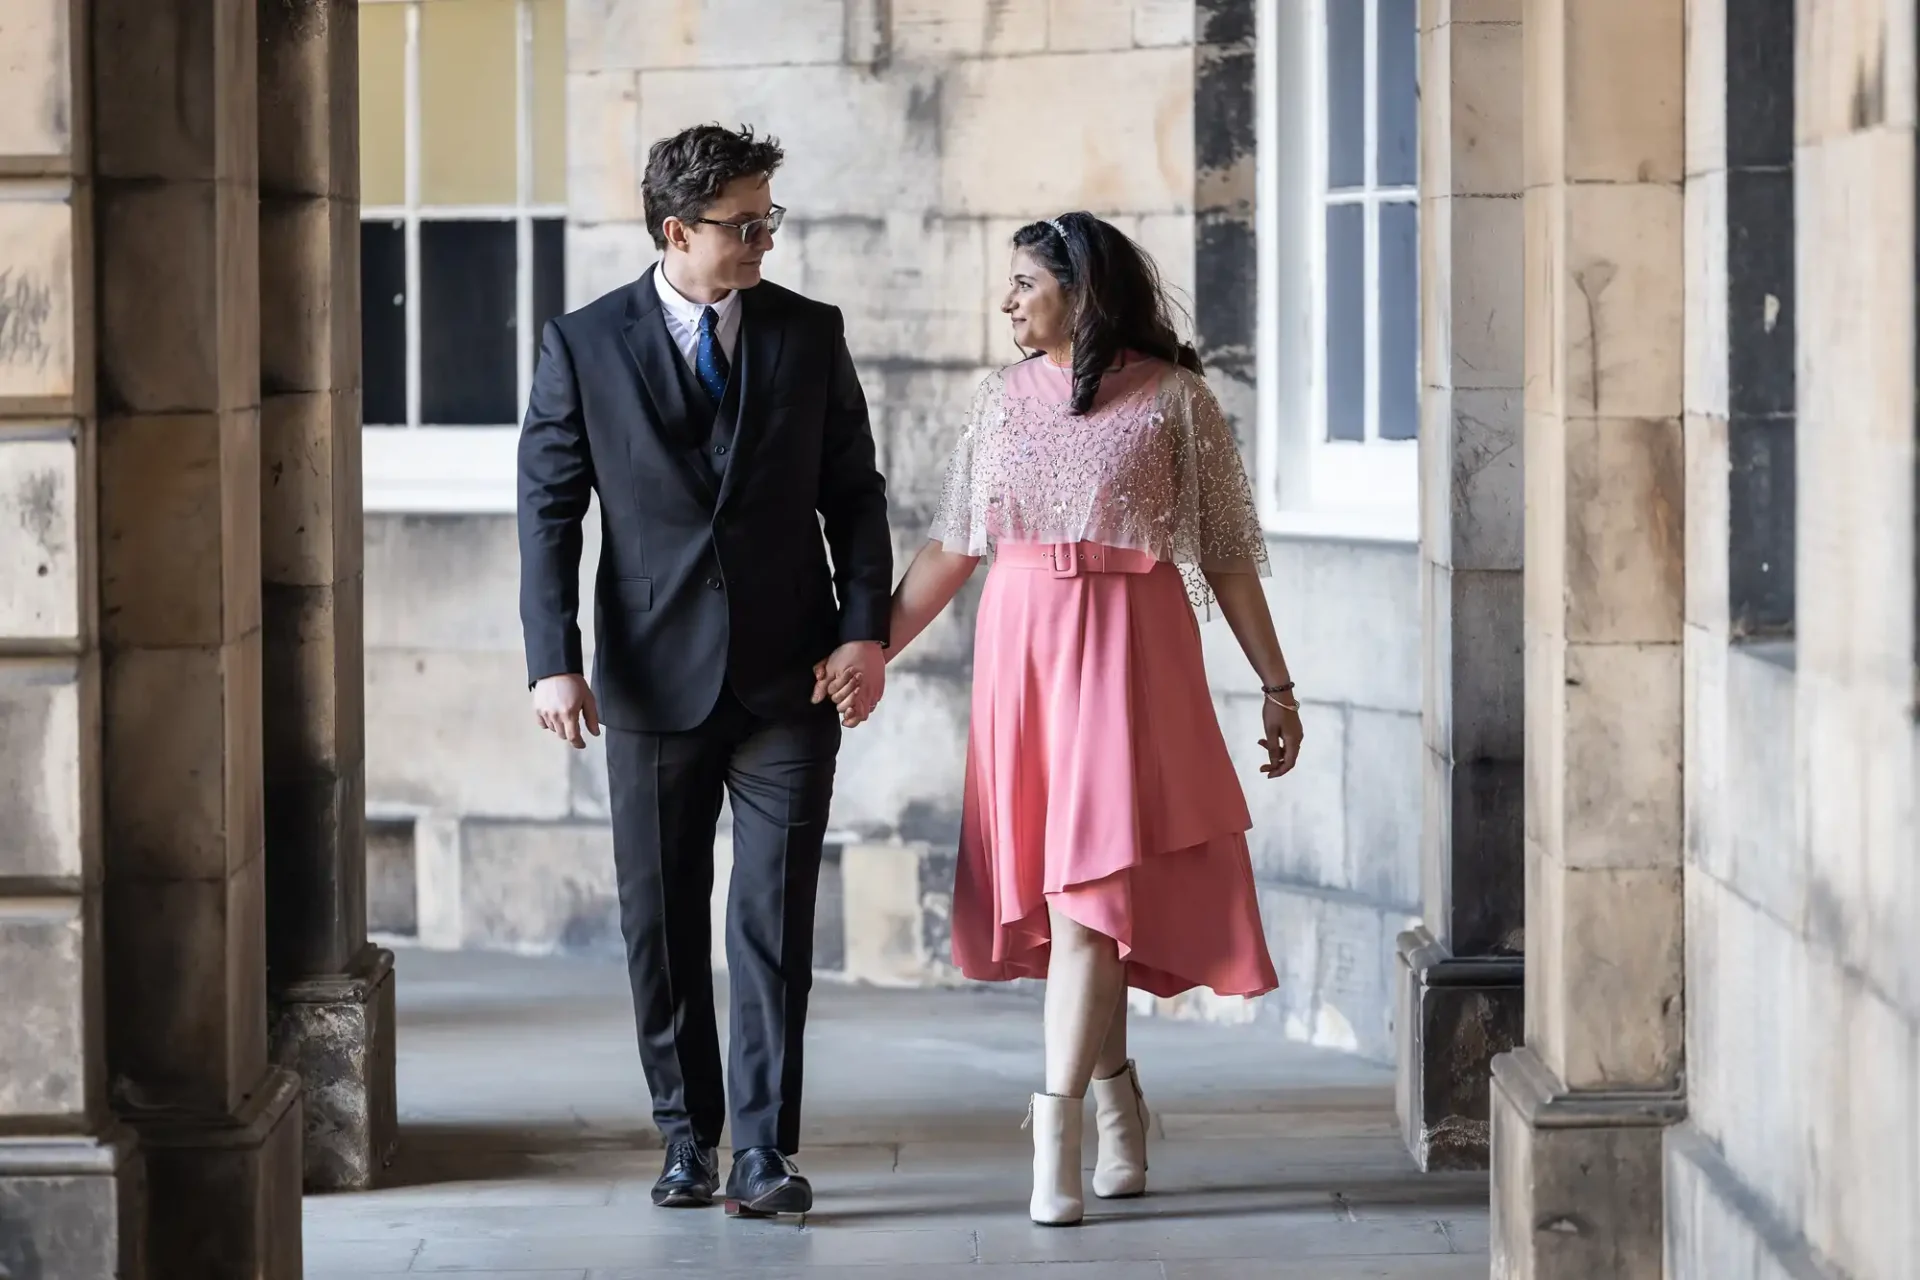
{"type": "Point", "coordinates": [750, 230]}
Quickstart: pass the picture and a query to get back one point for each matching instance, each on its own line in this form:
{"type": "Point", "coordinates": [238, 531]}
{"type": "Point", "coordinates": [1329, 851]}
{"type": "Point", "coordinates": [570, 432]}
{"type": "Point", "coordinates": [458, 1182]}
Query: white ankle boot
{"type": "Point", "coordinates": [1057, 1123]}
{"type": "Point", "coordinates": [1120, 1119]}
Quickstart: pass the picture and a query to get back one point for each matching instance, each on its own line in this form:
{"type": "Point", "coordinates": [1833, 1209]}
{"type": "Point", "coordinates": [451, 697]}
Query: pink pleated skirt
{"type": "Point", "coordinates": [1097, 779]}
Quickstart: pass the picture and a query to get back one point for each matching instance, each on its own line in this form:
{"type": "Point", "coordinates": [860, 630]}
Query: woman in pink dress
{"type": "Point", "coordinates": [1103, 839]}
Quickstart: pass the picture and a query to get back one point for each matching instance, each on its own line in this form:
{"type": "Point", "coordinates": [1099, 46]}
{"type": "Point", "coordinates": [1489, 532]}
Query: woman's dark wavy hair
{"type": "Point", "coordinates": [1118, 300]}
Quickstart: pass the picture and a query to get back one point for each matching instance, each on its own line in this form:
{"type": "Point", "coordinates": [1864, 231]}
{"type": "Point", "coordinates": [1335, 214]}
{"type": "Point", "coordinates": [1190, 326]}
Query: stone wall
{"type": "Point", "coordinates": [1801, 1152]}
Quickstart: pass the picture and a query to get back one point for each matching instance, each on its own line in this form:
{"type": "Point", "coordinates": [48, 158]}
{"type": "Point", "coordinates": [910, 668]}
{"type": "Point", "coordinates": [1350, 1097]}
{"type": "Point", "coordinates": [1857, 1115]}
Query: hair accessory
{"type": "Point", "coordinates": [1057, 228]}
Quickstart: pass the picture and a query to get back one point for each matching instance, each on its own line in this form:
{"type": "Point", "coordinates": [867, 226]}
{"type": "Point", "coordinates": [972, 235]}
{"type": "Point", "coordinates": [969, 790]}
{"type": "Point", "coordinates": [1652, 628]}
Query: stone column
{"type": "Point", "coordinates": [1225, 308]}
{"type": "Point", "coordinates": [176, 221]}
{"type": "Point", "coordinates": [331, 991]}
{"type": "Point", "coordinates": [1579, 1110]}
{"type": "Point", "coordinates": [72, 1196]}
{"type": "Point", "coordinates": [1459, 978]}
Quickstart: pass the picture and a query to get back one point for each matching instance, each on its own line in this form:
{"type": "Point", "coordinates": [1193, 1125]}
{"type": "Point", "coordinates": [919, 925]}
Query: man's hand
{"type": "Point", "coordinates": [855, 677]}
{"type": "Point", "coordinates": [560, 703]}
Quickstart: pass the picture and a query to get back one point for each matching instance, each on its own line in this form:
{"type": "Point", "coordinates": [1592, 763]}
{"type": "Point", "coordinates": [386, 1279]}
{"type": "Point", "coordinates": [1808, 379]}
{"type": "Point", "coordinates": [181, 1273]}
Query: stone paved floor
{"type": "Point", "coordinates": [524, 1117]}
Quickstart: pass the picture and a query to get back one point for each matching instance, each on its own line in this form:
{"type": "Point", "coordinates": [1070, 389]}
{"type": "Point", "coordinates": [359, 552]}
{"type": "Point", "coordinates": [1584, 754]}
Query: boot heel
{"type": "Point", "coordinates": [1057, 1125]}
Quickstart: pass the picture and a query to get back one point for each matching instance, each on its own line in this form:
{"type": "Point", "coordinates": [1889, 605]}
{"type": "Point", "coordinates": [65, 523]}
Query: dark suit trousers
{"type": "Point", "coordinates": [665, 790]}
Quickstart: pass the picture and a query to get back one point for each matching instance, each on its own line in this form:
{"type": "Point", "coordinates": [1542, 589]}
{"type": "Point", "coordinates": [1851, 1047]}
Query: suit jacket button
{"type": "Point", "coordinates": [714, 583]}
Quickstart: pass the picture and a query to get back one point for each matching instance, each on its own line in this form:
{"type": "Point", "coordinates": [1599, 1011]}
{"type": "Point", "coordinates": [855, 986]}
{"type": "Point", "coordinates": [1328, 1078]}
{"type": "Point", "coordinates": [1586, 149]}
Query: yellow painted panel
{"type": "Point", "coordinates": [383, 103]}
{"type": "Point", "coordinates": [468, 61]}
{"type": "Point", "coordinates": [550, 101]}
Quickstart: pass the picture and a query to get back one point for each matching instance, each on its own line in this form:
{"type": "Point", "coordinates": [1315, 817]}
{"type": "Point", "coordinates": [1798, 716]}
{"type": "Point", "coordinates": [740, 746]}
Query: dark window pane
{"type": "Point", "coordinates": [383, 323]}
{"type": "Point", "coordinates": [549, 275]}
{"type": "Point", "coordinates": [1346, 93]}
{"type": "Point", "coordinates": [1397, 87]}
{"type": "Point", "coordinates": [1346, 322]}
{"type": "Point", "coordinates": [467, 371]}
{"type": "Point", "coordinates": [1399, 321]}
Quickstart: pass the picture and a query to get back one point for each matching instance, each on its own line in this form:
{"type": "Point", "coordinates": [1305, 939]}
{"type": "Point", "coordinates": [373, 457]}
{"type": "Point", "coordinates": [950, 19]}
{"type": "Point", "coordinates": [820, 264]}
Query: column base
{"type": "Point", "coordinates": [1577, 1189]}
{"type": "Point", "coordinates": [224, 1191]}
{"type": "Point", "coordinates": [72, 1208]}
{"type": "Point", "coordinates": [337, 1033]}
{"type": "Point", "coordinates": [1454, 1015]}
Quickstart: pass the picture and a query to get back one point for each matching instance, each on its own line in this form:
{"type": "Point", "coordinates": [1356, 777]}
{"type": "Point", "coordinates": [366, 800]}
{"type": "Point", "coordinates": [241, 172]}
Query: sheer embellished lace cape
{"type": "Point", "coordinates": [1151, 467]}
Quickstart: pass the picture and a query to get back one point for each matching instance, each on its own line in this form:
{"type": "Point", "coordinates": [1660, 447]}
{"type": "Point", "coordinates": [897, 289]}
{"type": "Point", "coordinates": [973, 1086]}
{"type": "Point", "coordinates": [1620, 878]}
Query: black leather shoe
{"type": "Point", "coordinates": [691, 1176]}
{"type": "Point", "coordinates": [764, 1183]}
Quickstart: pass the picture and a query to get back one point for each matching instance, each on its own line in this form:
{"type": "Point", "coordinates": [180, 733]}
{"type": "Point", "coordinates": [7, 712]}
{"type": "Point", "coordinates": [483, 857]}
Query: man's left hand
{"type": "Point", "coordinates": [855, 677]}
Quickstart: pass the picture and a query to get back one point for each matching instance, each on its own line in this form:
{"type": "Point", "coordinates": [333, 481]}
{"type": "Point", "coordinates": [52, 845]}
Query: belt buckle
{"type": "Point", "coordinates": [1071, 569]}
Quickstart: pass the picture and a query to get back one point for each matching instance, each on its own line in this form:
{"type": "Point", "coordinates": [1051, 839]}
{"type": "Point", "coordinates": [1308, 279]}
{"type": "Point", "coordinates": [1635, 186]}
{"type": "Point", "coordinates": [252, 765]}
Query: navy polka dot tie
{"type": "Point", "coordinates": [709, 361]}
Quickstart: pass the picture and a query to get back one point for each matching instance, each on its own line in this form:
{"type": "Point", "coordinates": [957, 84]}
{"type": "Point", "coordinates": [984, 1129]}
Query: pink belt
{"type": "Point", "coordinates": [1071, 559]}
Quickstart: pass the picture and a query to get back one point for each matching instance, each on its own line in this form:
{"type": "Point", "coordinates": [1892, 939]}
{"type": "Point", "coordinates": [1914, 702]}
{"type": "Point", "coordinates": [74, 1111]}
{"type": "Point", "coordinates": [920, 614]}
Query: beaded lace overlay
{"type": "Point", "coordinates": [1152, 467]}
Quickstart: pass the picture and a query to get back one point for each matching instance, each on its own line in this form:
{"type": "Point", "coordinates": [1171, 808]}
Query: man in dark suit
{"type": "Point", "coordinates": [721, 424]}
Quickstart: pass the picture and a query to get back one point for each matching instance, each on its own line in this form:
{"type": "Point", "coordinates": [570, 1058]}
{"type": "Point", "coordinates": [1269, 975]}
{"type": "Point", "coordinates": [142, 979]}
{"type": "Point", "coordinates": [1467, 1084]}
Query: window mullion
{"type": "Point", "coordinates": [412, 214]}
{"type": "Point", "coordinates": [523, 197]}
{"type": "Point", "coordinates": [1370, 235]}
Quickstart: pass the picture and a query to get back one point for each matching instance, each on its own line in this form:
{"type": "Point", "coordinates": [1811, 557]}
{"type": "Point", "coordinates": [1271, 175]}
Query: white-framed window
{"type": "Point", "coordinates": [1339, 250]}
{"type": "Point", "coordinates": [462, 240]}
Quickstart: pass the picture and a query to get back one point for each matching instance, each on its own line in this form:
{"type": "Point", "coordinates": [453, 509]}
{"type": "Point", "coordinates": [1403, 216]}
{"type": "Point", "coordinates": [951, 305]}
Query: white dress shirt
{"type": "Point", "coordinates": [683, 318]}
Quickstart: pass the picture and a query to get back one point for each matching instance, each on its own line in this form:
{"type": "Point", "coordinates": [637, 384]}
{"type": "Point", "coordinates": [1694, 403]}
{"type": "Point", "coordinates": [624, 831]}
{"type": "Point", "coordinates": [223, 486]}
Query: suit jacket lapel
{"type": "Point", "coordinates": [662, 389]}
{"type": "Point", "coordinates": [761, 334]}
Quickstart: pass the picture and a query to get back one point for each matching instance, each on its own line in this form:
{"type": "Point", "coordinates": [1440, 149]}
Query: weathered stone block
{"type": "Point", "coordinates": [175, 756]}
{"type": "Point", "coordinates": [188, 971]}
{"type": "Point", "coordinates": [1485, 666]}
{"type": "Point", "coordinates": [1485, 307]}
{"type": "Point", "coordinates": [1714, 1227]}
{"type": "Point", "coordinates": [1542, 269]}
{"type": "Point", "coordinates": [1625, 90]}
{"type": "Point", "coordinates": [225, 1189]}
{"type": "Point", "coordinates": [929, 30]}
{"type": "Point", "coordinates": [1348, 614]}
{"type": "Point", "coordinates": [316, 871]}
{"type": "Point", "coordinates": [603, 257]}
{"type": "Point", "coordinates": [1620, 339]}
{"type": "Point", "coordinates": [1610, 997]}
{"type": "Point", "coordinates": [612, 34]}
{"type": "Point", "coordinates": [179, 294]}
{"type": "Point", "coordinates": [39, 286]}
{"type": "Point", "coordinates": [1577, 1190]}
{"type": "Point", "coordinates": [918, 416]}
{"type": "Point", "coordinates": [452, 731]}
{"type": "Point", "coordinates": [393, 900]}
{"type": "Point", "coordinates": [412, 559]}
{"type": "Point", "coordinates": [1622, 750]}
{"type": "Point", "coordinates": [1452, 1018]}
{"type": "Point", "coordinates": [47, 801]}
{"type": "Point", "coordinates": [1834, 92]}
{"type": "Point", "coordinates": [908, 285]}
{"type": "Point", "coordinates": [1382, 800]}
{"type": "Point", "coordinates": [178, 71]}
{"type": "Point", "coordinates": [1706, 88]}
{"type": "Point", "coordinates": [313, 684]}
{"type": "Point", "coordinates": [901, 772]}
{"type": "Point", "coordinates": [303, 456]}
{"type": "Point", "coordinates": [1162, 22]}
{"type": "Point", "coordinates": [1706, 337]}
{"type": "Point", "coordinates": [75, 1207]}
{"type": "Point", "coordinates": [1082, 26]}
{"type": "Point", "coordinates": [539, 887]}
{"type": "Point", "coordinates": [1481, 495]}
{"type": "Point", "coordinates": [884, 914]}
{"type": "Point", "coordinates": [1120, 134]}
{"type": "Point", "coordinates": [38, 98]}
{"type": "Point", "coordinates": [41, 594]}
{"type": "Point", "coordinates": [1707, 524]}
{"type": "Point", "coordinates": [1299, 822]}
{"type": "Point", "coordinates": [46, 1071]}
{"type": "Point", "coordinates": [833, 120]}
{"type": "Point", "coordinates": [1759, 759]}
{"type": "Point", "coordinates": [1482, 67]}
{"type": "Point", "coordinates": [298, 274]}
{"type": "Point", "coordinates": [437, 875]}
{"type": "Point", "coordinates": [605, 155]}
{"type": "Point", "coordinates": [1626, 518]}
{"type": "Point", "coordinates": [302, 49]}
{"type": "Point", "coordinates": [1170, 239]}
{"type": "Point", "coordinates": [337, 1032]}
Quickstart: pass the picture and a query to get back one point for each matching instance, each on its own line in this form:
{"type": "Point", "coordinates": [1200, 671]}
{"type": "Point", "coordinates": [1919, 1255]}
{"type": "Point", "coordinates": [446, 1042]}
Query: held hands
{"type": "Point", "coordinates": [855, 677]}
{"type": "Point", "coordinates": [560, 703]}
{"type": "Point", "coordinates": [1283, 735]}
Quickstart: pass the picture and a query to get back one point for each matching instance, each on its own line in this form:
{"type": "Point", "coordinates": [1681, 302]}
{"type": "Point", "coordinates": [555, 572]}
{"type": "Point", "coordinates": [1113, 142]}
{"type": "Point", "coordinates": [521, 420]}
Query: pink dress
{"type": "Point", "coordinates": [1097, 776]}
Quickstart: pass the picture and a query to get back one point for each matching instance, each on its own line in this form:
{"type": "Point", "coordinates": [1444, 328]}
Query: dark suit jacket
{"type": "Point", "coordinates": [704, 579]}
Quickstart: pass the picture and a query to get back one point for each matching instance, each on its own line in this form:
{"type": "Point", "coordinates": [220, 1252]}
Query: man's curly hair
{"type": "Point", "coordinates": [686, 172]}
